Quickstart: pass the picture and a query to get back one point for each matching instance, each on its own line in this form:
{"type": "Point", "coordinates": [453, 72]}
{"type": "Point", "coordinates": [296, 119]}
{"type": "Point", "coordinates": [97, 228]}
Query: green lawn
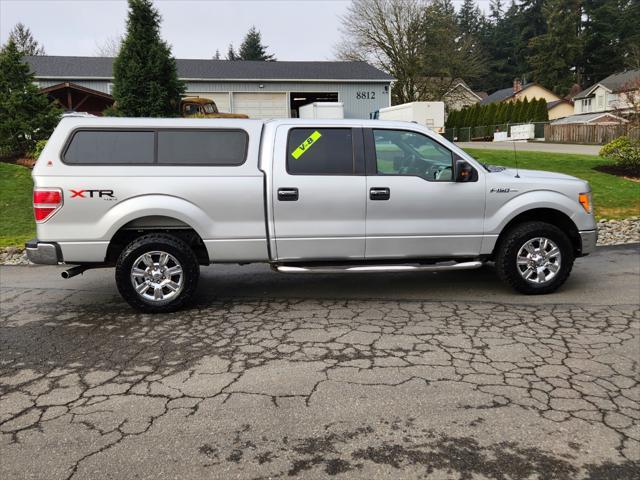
{"type": "Point", "coordinates": [16, 212]}
{"type": "Point", "coordinates": [614, 197]}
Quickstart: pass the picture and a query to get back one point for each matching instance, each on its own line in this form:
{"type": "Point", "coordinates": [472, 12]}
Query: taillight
{"type": "Point", "coordinates": [46, 202]}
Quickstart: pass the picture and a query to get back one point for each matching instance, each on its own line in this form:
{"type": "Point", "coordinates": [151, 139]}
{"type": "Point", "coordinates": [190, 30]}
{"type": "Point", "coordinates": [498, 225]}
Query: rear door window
{"type": "Point", "coordinates": [111, 147]}
{"type": "Point", "coordinates": [320, 151]}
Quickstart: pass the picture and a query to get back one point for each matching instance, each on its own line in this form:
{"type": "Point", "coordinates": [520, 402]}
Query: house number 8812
{"type": "Point", "coordinates": [366, 95]}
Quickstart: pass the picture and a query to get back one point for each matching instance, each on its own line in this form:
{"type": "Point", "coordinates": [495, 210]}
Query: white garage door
{"type": "Point", "coordinates": [221, 99]}
{"type": "Point", "coordinates": [261, 105]}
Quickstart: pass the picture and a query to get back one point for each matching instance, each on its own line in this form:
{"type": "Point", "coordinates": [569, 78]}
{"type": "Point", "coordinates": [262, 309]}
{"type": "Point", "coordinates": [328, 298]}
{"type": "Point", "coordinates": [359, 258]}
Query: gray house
{"type": "Point", "coordinates": [258, 89]}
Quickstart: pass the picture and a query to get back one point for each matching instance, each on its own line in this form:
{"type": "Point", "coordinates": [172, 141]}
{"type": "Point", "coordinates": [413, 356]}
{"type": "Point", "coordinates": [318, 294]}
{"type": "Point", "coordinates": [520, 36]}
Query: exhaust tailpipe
{"type": "Point", "coordinates": [73, 271]}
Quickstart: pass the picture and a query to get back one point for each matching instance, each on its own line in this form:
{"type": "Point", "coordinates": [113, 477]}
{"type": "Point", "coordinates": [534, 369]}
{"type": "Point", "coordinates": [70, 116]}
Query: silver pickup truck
{"type": "Point", "coordinates": [157, 198]}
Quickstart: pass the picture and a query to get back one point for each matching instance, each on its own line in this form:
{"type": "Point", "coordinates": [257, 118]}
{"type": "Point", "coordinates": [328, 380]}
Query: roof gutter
{"type": "Point", "coordinates": [230, 80]}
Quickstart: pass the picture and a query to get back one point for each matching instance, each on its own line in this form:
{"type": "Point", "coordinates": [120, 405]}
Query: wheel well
{"type": "Point", "coordinates": [548, 215]}
{"type": "Point", "coordinates": [141, 226]}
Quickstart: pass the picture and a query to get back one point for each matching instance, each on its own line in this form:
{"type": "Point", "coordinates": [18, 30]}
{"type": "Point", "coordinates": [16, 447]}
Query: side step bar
{"type": "Point", "coordinates": [436, 267]}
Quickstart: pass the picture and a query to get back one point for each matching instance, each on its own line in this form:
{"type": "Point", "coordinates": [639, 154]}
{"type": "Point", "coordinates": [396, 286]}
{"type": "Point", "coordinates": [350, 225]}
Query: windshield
{"type": "Point", "coordinates": [209, 108]}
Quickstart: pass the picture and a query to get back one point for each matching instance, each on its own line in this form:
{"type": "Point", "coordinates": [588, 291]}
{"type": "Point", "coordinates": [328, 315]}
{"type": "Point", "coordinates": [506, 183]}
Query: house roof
{"type": "Point", "coordinates": [589, 118]}
{"type": "Point", "coordinates": [458, 82]}
{"type": "Point", "coordinates": [502, 94]}
{"type": "Point", "coordinates": [614, 83]}
{"type": "Point", "coordinates": [555, 103]}
{"type": "Point", "coordinates": [191, 69]}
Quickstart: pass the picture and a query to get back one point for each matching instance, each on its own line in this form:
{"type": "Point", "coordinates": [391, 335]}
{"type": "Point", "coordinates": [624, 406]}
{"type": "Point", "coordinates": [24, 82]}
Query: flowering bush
{"type": "Point", "coordinates": [625, 152]}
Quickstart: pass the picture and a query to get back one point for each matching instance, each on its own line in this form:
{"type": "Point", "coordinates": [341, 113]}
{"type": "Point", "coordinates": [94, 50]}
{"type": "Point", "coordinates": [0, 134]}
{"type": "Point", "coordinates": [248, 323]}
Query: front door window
{"type": "Point", "coordinates": [403, 152]}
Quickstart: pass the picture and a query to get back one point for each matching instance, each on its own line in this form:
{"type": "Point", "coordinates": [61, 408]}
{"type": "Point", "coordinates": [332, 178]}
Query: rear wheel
{"type": "Point", "coordinates": [157, 273]}
{"type": "Point", "coordinates": [535, 258]}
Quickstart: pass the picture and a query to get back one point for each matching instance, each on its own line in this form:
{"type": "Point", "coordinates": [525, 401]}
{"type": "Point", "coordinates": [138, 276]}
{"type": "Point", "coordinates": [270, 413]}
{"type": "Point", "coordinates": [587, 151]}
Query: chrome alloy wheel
{"type": "Point", "coordinates": [157, 276]}
{"type": "Point", "coordinates": [539, 260]}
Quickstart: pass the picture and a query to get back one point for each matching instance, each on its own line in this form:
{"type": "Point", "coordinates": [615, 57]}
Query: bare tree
{"type": "Point", "coordinates": [23, 38]}
{"type": "Point", "coordinates": [418, 42]}
{"type": "Point", "coordinates": [386, 34]}
{"type": "Point", "coordinates": [109, 47]}
{"type": "Point", "coordinates": [628, 104]}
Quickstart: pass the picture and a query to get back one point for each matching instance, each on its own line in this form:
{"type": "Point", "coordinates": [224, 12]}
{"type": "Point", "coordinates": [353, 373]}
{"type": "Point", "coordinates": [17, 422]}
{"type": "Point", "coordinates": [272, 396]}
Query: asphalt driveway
{"type": "Point", "coordinates": [355, 376]}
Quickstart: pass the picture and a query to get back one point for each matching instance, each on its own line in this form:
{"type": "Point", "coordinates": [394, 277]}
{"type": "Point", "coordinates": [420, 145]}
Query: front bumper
{"type": "Point", "coordinates": [589, 239]}
{"type": "Point", "coordinates": [46, 253]}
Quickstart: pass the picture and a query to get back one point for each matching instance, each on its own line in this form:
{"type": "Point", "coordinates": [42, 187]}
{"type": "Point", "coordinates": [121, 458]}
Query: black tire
{"type": "Point", "coordinates": [154, 242]}
{"type": "Point", "coordinates": [507, 256]}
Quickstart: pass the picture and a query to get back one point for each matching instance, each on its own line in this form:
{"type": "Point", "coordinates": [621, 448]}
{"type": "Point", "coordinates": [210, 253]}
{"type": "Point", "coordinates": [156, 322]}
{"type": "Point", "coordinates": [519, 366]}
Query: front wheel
{"type": "Point", "coordinates": [535, 258]}
{"type": "Point", "coordinates": [157, 273]}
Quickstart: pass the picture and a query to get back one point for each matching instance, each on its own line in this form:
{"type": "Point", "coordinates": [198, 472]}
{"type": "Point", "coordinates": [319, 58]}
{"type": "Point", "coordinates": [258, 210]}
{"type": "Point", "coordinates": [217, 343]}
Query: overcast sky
{"type": "Point", "coordinates": [293, 29]}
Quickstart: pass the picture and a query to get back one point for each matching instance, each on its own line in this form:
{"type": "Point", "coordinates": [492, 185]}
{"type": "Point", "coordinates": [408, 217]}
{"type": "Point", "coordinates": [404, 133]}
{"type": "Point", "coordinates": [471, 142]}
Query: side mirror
{"type": "Point", "coordinates": [465, 172]}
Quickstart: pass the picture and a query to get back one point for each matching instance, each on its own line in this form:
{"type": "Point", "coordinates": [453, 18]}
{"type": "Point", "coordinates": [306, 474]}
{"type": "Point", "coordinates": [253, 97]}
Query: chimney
{"type": "Point", "coordinates": [517, 85]}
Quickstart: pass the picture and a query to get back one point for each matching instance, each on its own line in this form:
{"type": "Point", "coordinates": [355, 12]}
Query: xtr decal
{"type": "Point", "coordinates": [105, 194]}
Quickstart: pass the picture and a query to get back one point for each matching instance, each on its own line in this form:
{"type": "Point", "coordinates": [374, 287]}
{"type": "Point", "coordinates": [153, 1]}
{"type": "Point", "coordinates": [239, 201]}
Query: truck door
{"type": "Point", "coordinates": [319, 193]}
{"type": "Point", "coordinates": [415, 209]}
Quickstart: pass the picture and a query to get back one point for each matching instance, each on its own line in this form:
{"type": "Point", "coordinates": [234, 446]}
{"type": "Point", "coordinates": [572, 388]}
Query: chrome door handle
{"type": "Point", "coordinates": [379, 193]}
{"type": "Point", "coordinates": [288, 194]}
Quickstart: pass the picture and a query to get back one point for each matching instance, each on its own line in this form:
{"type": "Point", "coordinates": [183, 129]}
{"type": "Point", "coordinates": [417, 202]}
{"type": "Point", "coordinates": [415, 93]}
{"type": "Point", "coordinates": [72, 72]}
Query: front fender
{"type": "Point", "coordinates": [496, 221]}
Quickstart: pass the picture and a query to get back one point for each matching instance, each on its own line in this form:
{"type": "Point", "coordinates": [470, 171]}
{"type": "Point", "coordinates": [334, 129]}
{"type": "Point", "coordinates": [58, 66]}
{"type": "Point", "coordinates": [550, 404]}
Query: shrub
{"type": "Point", "coordinates": [624, 152]}
{"type": "Point", "coordinates": [37, 149]}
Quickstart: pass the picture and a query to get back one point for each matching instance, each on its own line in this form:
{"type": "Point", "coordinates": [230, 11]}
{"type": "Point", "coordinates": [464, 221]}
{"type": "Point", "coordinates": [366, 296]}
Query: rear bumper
{"type": "Point", "coordinates": [45, 253]}
{"type": "Point", "coordinates": [588, 239]}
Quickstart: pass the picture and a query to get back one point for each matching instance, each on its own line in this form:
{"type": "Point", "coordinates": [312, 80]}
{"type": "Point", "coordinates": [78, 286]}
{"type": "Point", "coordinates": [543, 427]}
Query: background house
{"type": "Point", "coordinates": [460, 96]}
{"type": "Point", "coordinates": [258, 89]}
{"type": "Point", "coordinates": [613, 93]}
{"type": "Point", "coordinates": [556, 106]}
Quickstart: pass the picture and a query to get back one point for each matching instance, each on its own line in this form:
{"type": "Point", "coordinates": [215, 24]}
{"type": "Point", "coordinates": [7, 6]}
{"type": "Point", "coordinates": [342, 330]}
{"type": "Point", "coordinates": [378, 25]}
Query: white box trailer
{"type": "Point", "coordinates": [316, 110]}
{"type": "Point", "coordinates": [429, 114]}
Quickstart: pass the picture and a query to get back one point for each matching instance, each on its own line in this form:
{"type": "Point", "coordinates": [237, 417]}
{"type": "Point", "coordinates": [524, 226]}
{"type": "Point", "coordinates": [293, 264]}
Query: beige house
{"type": "Point", "coordinates": [556, 106]}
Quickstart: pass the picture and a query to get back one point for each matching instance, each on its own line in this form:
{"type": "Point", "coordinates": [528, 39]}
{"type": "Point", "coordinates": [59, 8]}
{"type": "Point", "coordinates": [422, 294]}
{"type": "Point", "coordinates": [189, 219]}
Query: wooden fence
{"type": "Point", "coordinates": [590, 134]}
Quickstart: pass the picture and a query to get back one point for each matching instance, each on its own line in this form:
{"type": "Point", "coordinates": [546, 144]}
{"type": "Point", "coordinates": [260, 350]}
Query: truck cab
{"type": "Point", "coordinates": [204, 108]}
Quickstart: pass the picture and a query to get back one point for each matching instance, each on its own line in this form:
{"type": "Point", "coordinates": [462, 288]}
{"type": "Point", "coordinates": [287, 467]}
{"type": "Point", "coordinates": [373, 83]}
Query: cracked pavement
{"type": "Point", "coordinates": [275, 376]}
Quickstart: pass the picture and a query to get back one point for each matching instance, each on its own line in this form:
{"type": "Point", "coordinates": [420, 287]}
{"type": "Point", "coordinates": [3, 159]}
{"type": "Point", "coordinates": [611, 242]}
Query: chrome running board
{"type": "Point", "coordinates": [436, 267]}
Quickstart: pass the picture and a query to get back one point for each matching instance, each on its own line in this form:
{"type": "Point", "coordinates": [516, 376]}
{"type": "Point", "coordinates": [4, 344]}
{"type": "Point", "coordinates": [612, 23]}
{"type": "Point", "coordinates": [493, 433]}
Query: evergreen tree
{"type": "Point", "coordinates": [607, 28]}
{"type": "Point", "coordinates": [24, 41]}
{"type": "Point", "coordinates": [532, 110]}
{"type": "Point", "coordinates": [231, 54]}
{"type": "Point", "coordinates": [146, 81]}
{"type": "Point", "coordinates": [252, 48]}
{"type": "Point", "coordinates": [447, 53]}
{"type": "Point", "coordinates": [542, 111]}
{"type": "Point", "coordinates": [451, 119]}
{"type": "Point", "coordinates": [524, 110]}
{"type": "Point", "coordinates": [465, 117]}
{"type": "Point", "coordinates": [470, 18]}
{"type": "Point", "coordinates": [492, 110]}
{"type": "Point", "coordinates": [504, 48]}
{"type": "Point", "coordinates": [556, 54]}
{"type": "Point", "coordinates": [499, 113]}
{"type": "Point", "coordinates": [26, 115]}
{"type": "Point", "coordinates": [216, 56]}
{"type": "Point", "coordinates": [515, 113]}
{"type": "Point", "coordinates": [495, 11]}
{"type": "Point", "coordinates": [509, 110]}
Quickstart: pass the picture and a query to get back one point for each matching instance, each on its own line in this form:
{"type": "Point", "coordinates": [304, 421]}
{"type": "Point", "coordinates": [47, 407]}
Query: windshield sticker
{"type": "Point", "coordinates": [304, 146]}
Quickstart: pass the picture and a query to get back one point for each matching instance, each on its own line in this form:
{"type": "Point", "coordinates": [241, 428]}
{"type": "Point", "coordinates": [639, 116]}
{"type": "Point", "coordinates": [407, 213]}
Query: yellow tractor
{"type": "Point", "coordinates": [205, 108]}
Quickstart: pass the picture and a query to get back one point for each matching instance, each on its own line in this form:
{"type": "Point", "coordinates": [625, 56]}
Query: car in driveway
{"type": "Point", "coordinates": [158, 198]}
